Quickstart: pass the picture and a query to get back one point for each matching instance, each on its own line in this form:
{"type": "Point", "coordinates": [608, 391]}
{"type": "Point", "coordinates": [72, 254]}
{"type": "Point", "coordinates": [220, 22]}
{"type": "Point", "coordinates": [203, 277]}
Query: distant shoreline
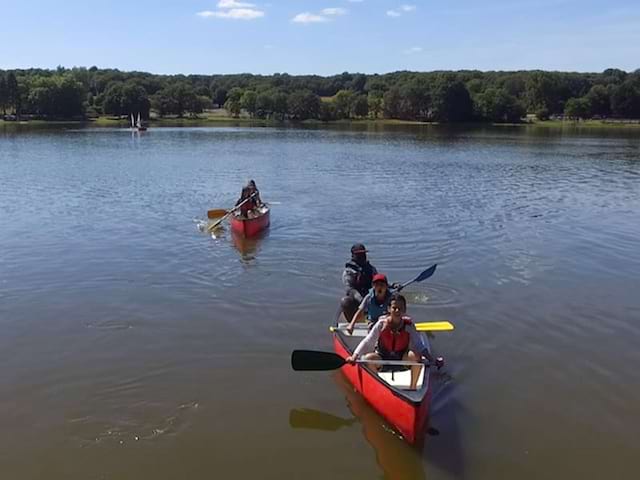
{"type": "Point", "coordinates": [208, 119]}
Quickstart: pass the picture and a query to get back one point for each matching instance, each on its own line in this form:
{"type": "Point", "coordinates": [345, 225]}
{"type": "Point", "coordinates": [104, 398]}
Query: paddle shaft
{"type": "Point", "coordinates": [435, 326]}
{"type": "Point", "coordinates": [214, 225]}
{"type": "Point", "coordinates": [394, 362]}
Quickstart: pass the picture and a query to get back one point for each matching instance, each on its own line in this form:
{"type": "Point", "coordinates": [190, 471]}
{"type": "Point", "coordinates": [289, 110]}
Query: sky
{"type": "Point", "coordinates": [321, 36]}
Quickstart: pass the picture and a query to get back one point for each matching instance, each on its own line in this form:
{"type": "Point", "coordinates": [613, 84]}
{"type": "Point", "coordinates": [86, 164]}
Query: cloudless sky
{"type": "Point", "coordinates": [324, 37]}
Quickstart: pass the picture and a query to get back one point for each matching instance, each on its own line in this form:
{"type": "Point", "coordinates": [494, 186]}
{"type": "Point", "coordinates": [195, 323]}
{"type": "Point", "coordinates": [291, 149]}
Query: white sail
{"type": "Point", "coordinates": [139, 122]}
{"type": "Point", "coordinates": [132, 122]}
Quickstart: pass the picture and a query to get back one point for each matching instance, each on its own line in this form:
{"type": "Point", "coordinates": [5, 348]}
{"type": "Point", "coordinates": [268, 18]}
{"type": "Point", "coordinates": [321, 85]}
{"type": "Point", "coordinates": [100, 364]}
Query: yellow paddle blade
{"type": "Point", "coordinates": [220, 212]}
{"type": "Point", "coordinates": [442, 326]}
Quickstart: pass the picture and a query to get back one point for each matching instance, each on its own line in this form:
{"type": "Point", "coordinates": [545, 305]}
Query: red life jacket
{"type": "Point", "coordinates": [395, 341]}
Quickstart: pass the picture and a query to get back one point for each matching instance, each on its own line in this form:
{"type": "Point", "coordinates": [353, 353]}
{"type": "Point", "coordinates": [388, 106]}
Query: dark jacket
{"type": "Point", "coordinates": [358, 279]}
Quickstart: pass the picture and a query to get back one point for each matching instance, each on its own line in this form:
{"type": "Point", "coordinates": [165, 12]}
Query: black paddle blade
{"type": "Point", "coordinates": [311, 360]}
{"type": "Point", "coordinates": [427, 273]}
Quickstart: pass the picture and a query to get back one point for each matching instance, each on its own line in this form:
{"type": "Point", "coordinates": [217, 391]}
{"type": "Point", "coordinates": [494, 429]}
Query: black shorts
{"type": "Point", "coordinates": [394, 356]}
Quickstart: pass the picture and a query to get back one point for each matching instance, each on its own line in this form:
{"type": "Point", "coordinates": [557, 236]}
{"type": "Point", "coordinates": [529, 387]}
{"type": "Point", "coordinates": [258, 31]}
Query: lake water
{"type": "Point", "coordinates": [134, 346]}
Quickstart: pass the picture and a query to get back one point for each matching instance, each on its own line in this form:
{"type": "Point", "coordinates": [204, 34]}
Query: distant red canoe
{"type": "Point", "coordinates": [252, 226]}
{"type": "Point", "coordinates": [406, 410]}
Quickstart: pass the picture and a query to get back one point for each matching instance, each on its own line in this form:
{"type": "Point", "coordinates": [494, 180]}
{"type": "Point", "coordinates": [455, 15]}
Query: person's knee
{"type": "Point", "coordinates": [412, 356]}
{"type": "Point", "coordinates": [349, 306]}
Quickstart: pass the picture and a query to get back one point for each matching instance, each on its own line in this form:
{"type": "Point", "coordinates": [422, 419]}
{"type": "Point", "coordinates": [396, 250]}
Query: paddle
{"type": "Point", "coordinates": [214, 225]}
{"type": "Point", "coordinates": [217, 213]}
{"type": "Point", "coordinates": [441, 326]}
{"type": "Point", "coordinates": [423, 276]}
{"type": "Point", "coordinates": [313, 360]}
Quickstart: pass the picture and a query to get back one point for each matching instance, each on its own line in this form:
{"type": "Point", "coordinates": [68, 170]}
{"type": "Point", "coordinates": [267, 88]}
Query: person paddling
{"type": "Point", "coordinates": [256, 193]}
{"type": "Point", "coordinates": [394, 337]}
{"type": "Point", "coordinates": [357, 278]}
{"type": "Point", "coordinates": [250, 192]}
{"type": "Point", "coordinates": [375, 303]}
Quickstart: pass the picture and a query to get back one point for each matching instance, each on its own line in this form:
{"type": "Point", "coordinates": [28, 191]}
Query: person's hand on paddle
{"type": "Point", "coordinates": [397, 286]}
{"type": "Point", "coordinates": [427, 355]}
{"type": "Point", "coordinates": [351, 360]}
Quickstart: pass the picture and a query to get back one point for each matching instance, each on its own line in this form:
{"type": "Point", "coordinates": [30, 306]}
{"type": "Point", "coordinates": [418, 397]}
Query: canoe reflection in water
{"type": "Point", "coordinates": [248, 247]}
{"type": "Point", "coordinates": [398, 460]}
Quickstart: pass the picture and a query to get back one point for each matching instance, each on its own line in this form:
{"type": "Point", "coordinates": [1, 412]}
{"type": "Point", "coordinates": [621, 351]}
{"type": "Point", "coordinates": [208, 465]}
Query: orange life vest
{"type": "Point", "coordinates": [395, 341]}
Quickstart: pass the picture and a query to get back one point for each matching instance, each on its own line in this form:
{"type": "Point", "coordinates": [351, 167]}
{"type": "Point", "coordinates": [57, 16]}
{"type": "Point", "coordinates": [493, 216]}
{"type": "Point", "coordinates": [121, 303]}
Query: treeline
{"type": "Point", "coordinates": [433, 96]}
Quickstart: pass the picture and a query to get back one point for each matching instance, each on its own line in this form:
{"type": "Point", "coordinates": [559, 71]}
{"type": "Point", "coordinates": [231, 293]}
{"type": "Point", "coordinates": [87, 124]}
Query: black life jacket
{"type": "Point", "coordinates": [364, 276]}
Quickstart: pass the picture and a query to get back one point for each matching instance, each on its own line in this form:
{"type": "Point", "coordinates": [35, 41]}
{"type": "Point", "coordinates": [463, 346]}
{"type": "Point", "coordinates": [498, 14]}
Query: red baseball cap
{"type": "Point", "coordinates": [379, 277]}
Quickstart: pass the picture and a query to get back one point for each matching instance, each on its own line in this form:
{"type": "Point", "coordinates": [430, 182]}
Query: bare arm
{"type": "Point", "coordinates": [368, 343]}
{"type": "Point", "coordinates": [417, 342]}
{"type": "Point", "coordinates": [358, 316]}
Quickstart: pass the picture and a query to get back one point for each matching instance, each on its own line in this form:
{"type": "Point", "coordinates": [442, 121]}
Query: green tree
{"type": "Point", "coordinates": [542, 92]}
{"type": "Point", "coordinates": [130, 98]}
{"type": "Point", "coordinates": [248, 102]}
{"type": "Point", "coordinates": [599, 101]}
{"type": "Point", "coordinates": [220, 96]}
{"type": "Point", "coordinates": [280, 105]}
{"type": "Point", "coordinates": [361, 106]}
{"type": "Point", "coordinates": [416, 100]}
{"type": "Point", "coordinates": [327, 111]}
{"type": "Point", "coordinates": [164, 104]}
{"type": "Point", "coordinates": [375, 101]}
{"type": "Point", "coordinates": [233, 104]}
{"type": "Point", "coordinates": [303, 105]}
{"type": "Point", "coordinates": [451, 101]}
{"type": "Point", "coordinates": [393, 103]}
{"type": "Point", "coordinates": [358, 83]}
{"type": "Point", "coordinates": [577, 108]}
{"type": "Point", "coordinates": [4, 94]}
{"type": "Point", "coordinates": [497, 105]}
{"type": "Point", "coordinates": [343, 102]}
{"type": "Point", "coordinates": [264, 105]}
{"type": "Point", "coordinates": [625, 100]}
{"type": "Point", "coordinates": [14, 96]}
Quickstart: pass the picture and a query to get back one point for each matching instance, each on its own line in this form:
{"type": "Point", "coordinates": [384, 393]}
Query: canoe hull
{"type": "Point", "coordinates": [407, 416]}
{"type": "Point", "coordinates": [252, 226]}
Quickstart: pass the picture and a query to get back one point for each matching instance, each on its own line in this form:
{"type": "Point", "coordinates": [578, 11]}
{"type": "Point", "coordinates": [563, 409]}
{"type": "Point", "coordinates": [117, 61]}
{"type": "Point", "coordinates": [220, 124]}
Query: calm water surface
{"type": "Point", "coordinates": [134, 346]}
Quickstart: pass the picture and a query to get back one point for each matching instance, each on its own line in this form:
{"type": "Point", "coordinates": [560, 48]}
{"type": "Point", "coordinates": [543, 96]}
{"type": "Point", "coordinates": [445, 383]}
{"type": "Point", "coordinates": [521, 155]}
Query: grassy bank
{"type": "Point", "coordinates": [221, 117]}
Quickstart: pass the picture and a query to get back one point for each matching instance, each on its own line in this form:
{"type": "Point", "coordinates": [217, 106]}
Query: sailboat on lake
{"type": "Point", "coordinates": [137, 124]}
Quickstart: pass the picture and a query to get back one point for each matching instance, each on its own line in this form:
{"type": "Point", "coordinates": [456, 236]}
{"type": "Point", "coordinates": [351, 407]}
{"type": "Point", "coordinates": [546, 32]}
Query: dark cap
{"type": "Point", "coordinates": [358, 248]}
{"type": "Point", "coordinates": [380, 277]}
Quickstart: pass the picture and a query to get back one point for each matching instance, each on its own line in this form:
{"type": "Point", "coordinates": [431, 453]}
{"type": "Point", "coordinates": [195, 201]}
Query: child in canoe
{"type": "Point", "coordinates": [394, 337]}
{"type": "Point", "coordinates": [375, 304]}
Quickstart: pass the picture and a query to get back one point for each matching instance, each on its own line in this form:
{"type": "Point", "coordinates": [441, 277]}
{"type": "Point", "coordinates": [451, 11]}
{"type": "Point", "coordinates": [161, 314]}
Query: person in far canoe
{"type": "Point", "coordinates": [394, 337]}
{"type": "Point", "coordinates": [249, 208]}
{"type": "Point", "coordinates": [375, 304]}
{"type": "Point", "coordinates": [256, 193]}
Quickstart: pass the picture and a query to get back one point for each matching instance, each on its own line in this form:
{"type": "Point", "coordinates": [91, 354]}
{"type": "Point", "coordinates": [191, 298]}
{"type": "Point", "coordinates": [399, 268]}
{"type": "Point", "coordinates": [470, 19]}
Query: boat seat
{"type": "Point", "coordinates": [400, 379]}
{"type": "Point", "coordinates": [360, 330]}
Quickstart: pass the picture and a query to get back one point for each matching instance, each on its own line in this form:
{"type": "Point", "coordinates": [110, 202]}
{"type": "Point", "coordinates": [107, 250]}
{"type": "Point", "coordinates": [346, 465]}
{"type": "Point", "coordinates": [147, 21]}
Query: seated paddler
{"type": "Point", "coordinates": [375, 304]}
{"type": "Point", "coordinates": [394, 337]}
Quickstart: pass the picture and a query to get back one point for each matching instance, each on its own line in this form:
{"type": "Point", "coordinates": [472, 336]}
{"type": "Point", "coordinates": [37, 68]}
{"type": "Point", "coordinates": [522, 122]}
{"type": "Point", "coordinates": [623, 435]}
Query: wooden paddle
{"type": "Point", "coordinates": [214, 225]}
{"type": "Point", "coordinates": [313, 360]}
{"type": "Point", "coordinates": [217, 213]}
{"type": "Point", "coordinates": [440, 326]}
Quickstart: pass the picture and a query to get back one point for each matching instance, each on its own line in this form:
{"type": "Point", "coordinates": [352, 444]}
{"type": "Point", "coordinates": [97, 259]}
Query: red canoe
{"type": "Point", "coordinates": [387, 392]}
{"type": "Point", "coordinates": [252, 226]}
